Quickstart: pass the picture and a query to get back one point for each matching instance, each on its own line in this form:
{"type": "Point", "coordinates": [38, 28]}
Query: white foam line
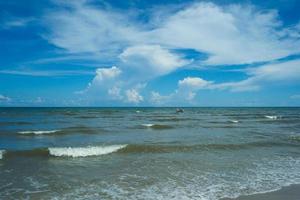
{"type": "Point", "coordinates": [84, 151]}
{"type": "Point", "coordinates": [148, 125]}
{"type": "Point", "coordinates": [38, 132]}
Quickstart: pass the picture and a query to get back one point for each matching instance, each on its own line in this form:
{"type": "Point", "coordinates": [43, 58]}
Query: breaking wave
{"type": "Point", "coordinates": [37, 132]}
{"type": "Point", "coordinates": [144, 148]}
{"type": "Point", "coordinates": [271, 116]}
{"type": "Point", "coordinates": [84, 151]}
{"type": "Point", "coordinates": [156, 126]}
{"type": "Point", "coordinates": [1, 153]}
{"type": "Point", "coordinates": [66, 151]}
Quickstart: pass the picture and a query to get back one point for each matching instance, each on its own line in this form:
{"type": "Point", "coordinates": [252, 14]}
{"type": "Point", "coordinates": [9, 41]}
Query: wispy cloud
{"type": "Point", "coordinates": [4, 98]}
{"type": "Point", "coordinates": [13, 22]}
{"type": "Point", "coordinates": [233, 34]}
{"type": "Point", "coordinates": [47, 73]}
{"type": "Point", "coordinates": [295, 96]}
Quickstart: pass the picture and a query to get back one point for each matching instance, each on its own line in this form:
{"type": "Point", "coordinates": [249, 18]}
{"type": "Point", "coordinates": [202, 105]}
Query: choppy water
{"type": "Point", "coordinates": [147, 153]}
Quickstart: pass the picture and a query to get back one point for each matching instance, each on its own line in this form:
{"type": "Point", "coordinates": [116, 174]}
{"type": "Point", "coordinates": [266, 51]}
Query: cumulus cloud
{"type": "Point", "coordinates": [158, 99]}
{"type": "Point", "coordinates": [133, 96]}
{"type": "Point", "coordinates": [189, 86]}
{"type": "Point", "coordinates": [105, 77]}
{"type": "Point", "coordinates": [115, 93]}
{"type": "Point", "coordinates": [105, 82]}
{"type": "Point", "coordinates": [138, 64]}
{"type": "Point", "coordinates": [103, 74]}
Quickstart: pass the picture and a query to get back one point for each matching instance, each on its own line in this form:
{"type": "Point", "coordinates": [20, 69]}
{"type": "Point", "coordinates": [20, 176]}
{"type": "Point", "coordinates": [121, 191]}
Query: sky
{"type": "Point", "coordinates": [150, 53]}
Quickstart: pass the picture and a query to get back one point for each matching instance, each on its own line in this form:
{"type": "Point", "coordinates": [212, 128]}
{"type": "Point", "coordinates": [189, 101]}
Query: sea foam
{"type": "Point", "coordinates": [157, 126]}
{"type": "Point", "coordinates": [37, 132]}
{"type": "Point", "coordinates": [84, 151]}
{"type": "Point", "coordinates": [271, 116]}
{"type": "Point", "coordinates": [148, 125]}
{"type": "Point", "coordinates": [1, 153]}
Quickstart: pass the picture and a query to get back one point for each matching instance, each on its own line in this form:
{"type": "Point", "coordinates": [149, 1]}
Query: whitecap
{"type": "Point", "coordinates": [37, 132]}
{"type": "Point", "coordinates": [148, 125]}
{"type": "Point", "coordinates": [271, 116]}
{"type": "Point", "coordinates": [84, 151]}
{"type": "Point", "coordinates": [234, 121]}
{"type": "Point", "coordinates": [2, 153]}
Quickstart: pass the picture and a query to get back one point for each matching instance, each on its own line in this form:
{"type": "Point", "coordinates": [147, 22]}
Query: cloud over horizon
{"type": "Point", "coordinates": [131, 49]}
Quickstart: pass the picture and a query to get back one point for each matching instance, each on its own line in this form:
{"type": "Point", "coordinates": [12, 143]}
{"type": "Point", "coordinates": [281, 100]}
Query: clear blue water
{"type": "Point", "coordinates": [147, 153]}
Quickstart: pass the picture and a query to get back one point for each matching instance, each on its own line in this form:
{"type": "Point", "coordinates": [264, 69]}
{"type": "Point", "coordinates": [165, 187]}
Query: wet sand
{"type": "Point", "coordinates": [291, 193]}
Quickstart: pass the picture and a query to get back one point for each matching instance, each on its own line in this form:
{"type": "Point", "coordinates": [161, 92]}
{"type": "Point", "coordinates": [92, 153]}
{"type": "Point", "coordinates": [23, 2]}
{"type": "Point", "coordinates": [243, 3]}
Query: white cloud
{"type": "Point", "coordinates": [106, 81]}
{"type": "Point", "coordinates": [229, 34]}
{"type": "Point", "coordinates": [194, 83]}
{"type": "Point", "coordinates": [13, 22]}
{"type": "Point", "coordinates": [188, 87]}
{"type": "Point", "coordinates": [233, 34]}
{"type": "Point", "coordinates": [115, 93]}
{"type": "Point", "coordinates": [51, 73]}
{"type": "Point", "coordinates": [151, 60]}
{"type": "Point", "coordinates": [38, 100]}
{"type": "Point", "coordinates": [276, 73]}
{"type": "Point", "coordinates": [103, 74]}
{"type": "Point", "coordinates": [158, 99]}
{"type": "Point", "coordinates": [84, 28]}
{"type": "Point", "coordinates": [4, 98]}
{"type": "Point", "coordinates": [133, 96]}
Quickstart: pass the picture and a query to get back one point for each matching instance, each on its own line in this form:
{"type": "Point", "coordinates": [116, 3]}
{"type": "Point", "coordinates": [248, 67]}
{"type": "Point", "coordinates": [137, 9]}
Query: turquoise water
{"type": "Point", "coordinates": [147, 153]}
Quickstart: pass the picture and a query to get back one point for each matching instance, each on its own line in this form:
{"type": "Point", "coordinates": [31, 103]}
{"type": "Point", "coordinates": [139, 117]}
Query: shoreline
{"type": "Point", "coordinates": [291, 192]}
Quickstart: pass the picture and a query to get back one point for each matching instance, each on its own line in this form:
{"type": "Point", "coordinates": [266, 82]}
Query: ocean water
{"type": "Point", "coordinates": [147, 153]}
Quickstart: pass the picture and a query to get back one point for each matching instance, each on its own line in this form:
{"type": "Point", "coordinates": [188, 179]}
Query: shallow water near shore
{"type": "Point", "coordinates": [147, 153]}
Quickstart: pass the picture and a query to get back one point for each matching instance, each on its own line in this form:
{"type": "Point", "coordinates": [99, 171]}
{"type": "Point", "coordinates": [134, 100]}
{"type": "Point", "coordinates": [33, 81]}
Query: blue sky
{"type": "Point", "coordinates": [149, 53]}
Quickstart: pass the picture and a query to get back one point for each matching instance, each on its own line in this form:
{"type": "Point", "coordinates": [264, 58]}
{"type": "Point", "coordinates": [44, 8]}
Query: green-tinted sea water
{"type": "Point", "coordinates": [147, 153]}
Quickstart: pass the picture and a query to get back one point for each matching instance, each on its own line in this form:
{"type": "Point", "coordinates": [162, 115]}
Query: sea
{"type": "Point", "coordinates": [147, 153]}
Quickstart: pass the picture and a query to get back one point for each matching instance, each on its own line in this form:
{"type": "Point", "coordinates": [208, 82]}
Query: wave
{"type": "Point", "coordinates": [65, 151]}
{"type": "Point", "coordinates": [135, 148]}
{"type": "Point", "coordinates": [234, 121]}
{"type": "Point", "coordinates": [157, 126]}
{"type": "Point", "coordinates": [295, 138]}
{"type": "Point", "coordinates": [173, 119]}
{"type": "Point", "coordinates": [84, 151]}
{"type": "Point", "coordinates": [14, 123]}
{"type": "Point", "coordinates": [37, 132]}
{"type": "Point", "coordinates": [86, 117]}
{"type": "Point", "coordinates": [67, 130]}
{"type": "Point", "coordinates": [1, 153]}
{"type": "Point", "coordinates": [271, 117]}
{"type": "Point", "coordinates": [81, 129]}
{"type": "Point", "coordinates": [142, 148]}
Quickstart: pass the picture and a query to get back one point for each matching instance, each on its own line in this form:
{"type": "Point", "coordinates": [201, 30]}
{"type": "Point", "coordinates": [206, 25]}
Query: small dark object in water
{"type": "Point", "coordinates": [179, 110]}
